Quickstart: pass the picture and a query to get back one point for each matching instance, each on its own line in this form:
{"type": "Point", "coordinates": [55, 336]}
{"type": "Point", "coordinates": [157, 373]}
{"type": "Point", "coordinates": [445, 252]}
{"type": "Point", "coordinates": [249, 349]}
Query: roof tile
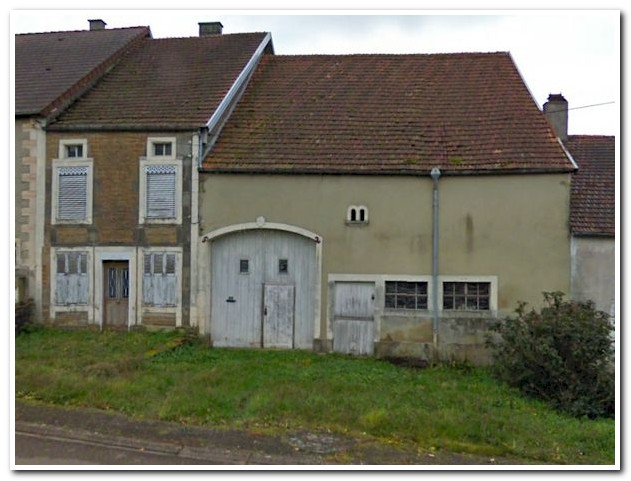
{"type": "Point", "coordinates": [387, 114]}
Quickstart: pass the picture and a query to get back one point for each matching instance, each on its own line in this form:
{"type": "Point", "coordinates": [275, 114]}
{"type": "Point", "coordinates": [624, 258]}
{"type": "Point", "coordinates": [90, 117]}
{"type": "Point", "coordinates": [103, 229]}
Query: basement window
{"type": "Point", "coordinates": [470, 296]}
{"type": "Point", "coordinates": [406, 295]}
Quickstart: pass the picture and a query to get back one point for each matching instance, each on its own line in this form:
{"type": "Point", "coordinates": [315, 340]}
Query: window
{"type": "Point", "coordinates": [162, 149]}
{"type": "Point", "coordinates": [71, 278]}
{"type": "Point", "coordinates": [160, 279]}
{"type": "Point", "coordinates": [74, 151]}
{"type": "Point", "coordinates": [357, 215]}
{"type": "Point", "coordinates": [283, 266]}
{"type": "Point", "coordinates": [244, 266]}
{"type": "Point", "coordinates": [72, 193]}
{"type": "Point", "coordinates": [406, 295]}
{"type": "Point", "coordinates": [72, 184]}
{"type": "Point", "coordinates": [161, 191]}
{"type": "Point", "coordinates": [472, 296]}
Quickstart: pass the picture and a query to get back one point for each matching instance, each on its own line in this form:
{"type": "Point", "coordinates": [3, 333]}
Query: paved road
{"type": "Point", "coordinates": [35, 449]}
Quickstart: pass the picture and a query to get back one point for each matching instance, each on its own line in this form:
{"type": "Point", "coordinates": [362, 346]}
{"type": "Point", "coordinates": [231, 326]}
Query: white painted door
{"type": "Point", "coordinates": [278, 316]}
{"type": "Point", "coordinates": [353, 317]}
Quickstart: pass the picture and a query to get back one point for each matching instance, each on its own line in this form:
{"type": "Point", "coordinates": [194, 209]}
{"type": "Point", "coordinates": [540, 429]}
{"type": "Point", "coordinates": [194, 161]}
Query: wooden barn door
{"type": "Point", "coordinates": [116, 294]}
{"type": "Point", "coordinates": [353, 317]}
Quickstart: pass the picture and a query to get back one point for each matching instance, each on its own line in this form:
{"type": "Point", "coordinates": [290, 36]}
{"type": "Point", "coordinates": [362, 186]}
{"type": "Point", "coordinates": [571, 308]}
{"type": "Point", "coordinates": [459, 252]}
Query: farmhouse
{"type": "Point", "coordinates": [51, 71]}
{"type": "Point", "coordinates": [393, 205]}
{"type": "Point", "coordinates": [388, 204]}
{"type": "Point", "coordinates": [121, 184]}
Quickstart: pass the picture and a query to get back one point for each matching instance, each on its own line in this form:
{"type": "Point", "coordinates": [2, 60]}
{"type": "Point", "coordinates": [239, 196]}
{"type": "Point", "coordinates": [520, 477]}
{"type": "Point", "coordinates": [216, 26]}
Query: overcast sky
{"type": "Point", "coordinates": [576, 53]}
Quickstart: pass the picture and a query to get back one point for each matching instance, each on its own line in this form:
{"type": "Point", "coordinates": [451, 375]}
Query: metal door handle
{"type": "Point", "coordinates": [265, 311]}
{"type": "Point", "coordinates": [231, 299]}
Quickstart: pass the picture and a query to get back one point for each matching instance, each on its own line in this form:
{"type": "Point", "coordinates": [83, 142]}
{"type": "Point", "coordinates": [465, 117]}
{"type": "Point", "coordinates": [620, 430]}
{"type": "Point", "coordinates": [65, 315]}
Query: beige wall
{"type": "Point", "coordinates": [28, 148]}
{"type": "Point", "coordinates": [512, 227]}
{"type": "Point", "coordinates": [594, 271]}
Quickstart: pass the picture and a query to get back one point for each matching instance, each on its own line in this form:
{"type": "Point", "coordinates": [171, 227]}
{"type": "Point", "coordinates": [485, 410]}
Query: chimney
{"type": "Point", "coordinates": [556, 112]}
{"type": "Point", "coordinates": [97, 24]}
{"type": "Point", "coordinates": [210, 28]}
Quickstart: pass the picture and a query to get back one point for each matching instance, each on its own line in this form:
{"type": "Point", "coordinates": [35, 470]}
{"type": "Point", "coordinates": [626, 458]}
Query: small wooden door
{"type": "Point", "coordinates": [278, 316]}
{"type": "Point", "coordinates": [116, 294]}
{"type": "Point", "coordinates": [353, 317]}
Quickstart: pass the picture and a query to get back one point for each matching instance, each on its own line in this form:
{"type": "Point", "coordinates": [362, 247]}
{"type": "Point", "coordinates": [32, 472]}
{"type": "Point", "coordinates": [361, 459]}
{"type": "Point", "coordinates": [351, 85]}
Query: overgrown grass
{"type": "Point", "coordinates": [158, 376]}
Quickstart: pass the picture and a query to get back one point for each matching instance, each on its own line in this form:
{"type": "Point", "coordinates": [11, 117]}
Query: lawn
{"type": "Point", "coordinates": [169, 377]}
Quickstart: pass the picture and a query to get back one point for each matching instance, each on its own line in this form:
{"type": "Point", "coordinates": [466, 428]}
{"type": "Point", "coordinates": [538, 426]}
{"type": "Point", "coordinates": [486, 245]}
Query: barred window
{"type": "Point", "coordinates": [406, 295]}
{"type": "Point", "coordinates": [471, 296]}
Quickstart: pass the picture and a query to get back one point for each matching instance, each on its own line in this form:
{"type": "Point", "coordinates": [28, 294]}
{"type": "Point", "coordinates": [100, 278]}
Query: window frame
{"type": "Point", "coordinates": [143, 192]}
{"type": "Point", "coordinates": [415, 295]}
{"type": "Point", "coordinates": [493, 294]}
{"type": "Point", "coordinates": [71, 162]}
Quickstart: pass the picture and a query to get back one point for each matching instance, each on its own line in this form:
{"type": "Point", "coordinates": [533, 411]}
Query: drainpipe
{"type": "Point", "coordinates": [435, 174]}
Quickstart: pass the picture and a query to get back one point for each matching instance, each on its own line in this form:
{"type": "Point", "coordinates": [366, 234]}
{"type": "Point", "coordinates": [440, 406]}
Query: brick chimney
{"type": "Point", "coordinates": [210, 28]}
{"type": "Point", "coordinates": [97, 24]}
{"type": "Point", "coordinates": [556, 112]}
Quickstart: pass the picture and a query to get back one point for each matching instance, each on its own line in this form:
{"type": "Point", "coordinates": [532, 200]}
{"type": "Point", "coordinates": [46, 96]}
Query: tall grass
{"type": "Point", "coordinates": [155, 375]}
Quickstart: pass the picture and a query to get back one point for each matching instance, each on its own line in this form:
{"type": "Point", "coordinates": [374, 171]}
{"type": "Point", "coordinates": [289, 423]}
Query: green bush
{"type": "Point", "coordinates": [563, 355]}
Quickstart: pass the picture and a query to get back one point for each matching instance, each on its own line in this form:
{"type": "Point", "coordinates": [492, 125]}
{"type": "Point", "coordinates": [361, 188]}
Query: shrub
{"type": "Point", "coordinates": [563, 355]}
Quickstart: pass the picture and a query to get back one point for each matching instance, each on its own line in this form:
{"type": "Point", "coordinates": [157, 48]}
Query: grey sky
{"type": "Point", "coordinates": [576, 53]}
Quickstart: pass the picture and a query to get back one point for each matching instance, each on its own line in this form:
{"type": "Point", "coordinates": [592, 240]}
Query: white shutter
{"type": "Point", "coordinates": [72, 283]}
{"type": "Point", "coordinates": [160, 280]}
{"type": "Point", "coordinates": [161, 191]}
{"type": "Point", "coordinates": [72, 195]}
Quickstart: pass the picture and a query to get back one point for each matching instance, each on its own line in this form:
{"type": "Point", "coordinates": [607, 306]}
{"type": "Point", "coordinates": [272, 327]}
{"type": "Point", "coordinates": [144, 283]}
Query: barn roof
{"type": "Point", "coordinates": [593, 203]}
{"type": "Point", "coordinates": [399, 114]}
{"type": "Point", "coordinates": [53, 68]}
{"type": "Point", "coordinates": [171, 83]}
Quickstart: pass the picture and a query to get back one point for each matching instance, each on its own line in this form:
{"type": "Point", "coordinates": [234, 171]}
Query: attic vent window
{"type": "Point", "coordinates": [244, 266]}
{"type": "Point", "coordinates": [357, 215]}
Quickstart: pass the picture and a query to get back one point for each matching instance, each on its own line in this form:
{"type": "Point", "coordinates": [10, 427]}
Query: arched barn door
{"type": "Point", "coordinates": [263, 289]}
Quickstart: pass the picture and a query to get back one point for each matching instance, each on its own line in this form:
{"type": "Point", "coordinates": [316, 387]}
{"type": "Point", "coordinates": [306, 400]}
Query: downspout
{"type": "Point", "coordinates": [435, 174]}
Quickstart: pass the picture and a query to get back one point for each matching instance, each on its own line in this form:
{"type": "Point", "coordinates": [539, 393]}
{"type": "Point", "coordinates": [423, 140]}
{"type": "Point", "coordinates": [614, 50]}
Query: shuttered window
{"type": "Point", "coordinates": [160, 279]}
{"type": "Point", "coordinates": [72, 195]}
{"type": "Point", "coordinates": [161, 182]}
{"type": "Point", "coordinates": [72, 284]}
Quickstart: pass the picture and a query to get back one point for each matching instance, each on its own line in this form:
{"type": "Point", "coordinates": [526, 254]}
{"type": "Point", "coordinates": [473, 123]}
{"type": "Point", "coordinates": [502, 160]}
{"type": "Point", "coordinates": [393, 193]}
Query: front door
{"type": "Point", "coordinates": [278, 316]}
{"type": "Point", "coordinates": [116, 294]}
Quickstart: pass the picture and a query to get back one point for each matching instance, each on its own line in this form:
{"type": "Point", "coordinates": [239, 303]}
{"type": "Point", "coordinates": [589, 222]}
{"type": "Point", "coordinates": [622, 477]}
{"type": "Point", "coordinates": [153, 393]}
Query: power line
{"type": "Point", "coordinates": [581, 107]}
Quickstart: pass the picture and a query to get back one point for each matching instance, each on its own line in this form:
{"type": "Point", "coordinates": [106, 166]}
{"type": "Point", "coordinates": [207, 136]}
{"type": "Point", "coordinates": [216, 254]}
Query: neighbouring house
{"type": "Point", "coordinates": [380, 204]}
{"type": "Point", "coordinates": [592, 212]}
{"type": "Point", "coordinates": [51, 71]}
{"type": "Point", "coordinates": [121, 180]}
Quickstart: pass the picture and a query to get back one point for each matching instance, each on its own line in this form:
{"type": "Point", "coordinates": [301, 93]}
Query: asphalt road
{"type": "Point", "coordinates": [36, 449]}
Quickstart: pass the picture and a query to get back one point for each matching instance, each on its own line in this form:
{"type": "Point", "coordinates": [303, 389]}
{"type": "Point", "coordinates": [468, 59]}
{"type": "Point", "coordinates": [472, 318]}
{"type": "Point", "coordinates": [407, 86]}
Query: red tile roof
{"type": "Point", "coordinates": [172, 83]}
{"type": "Point", "coordinates": [52, 68]}
{"type": "Point", "coordinates": [387, 114]}
{"type": "Point", "coordinates": [593, 204]}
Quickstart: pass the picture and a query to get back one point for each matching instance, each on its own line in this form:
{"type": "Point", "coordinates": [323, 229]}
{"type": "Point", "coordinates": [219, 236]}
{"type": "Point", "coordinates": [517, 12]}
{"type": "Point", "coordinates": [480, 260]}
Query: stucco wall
{"type": "Point", "coordinates": [594, 271]}
{"type": "Point", "coordinates": [513, 227]}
